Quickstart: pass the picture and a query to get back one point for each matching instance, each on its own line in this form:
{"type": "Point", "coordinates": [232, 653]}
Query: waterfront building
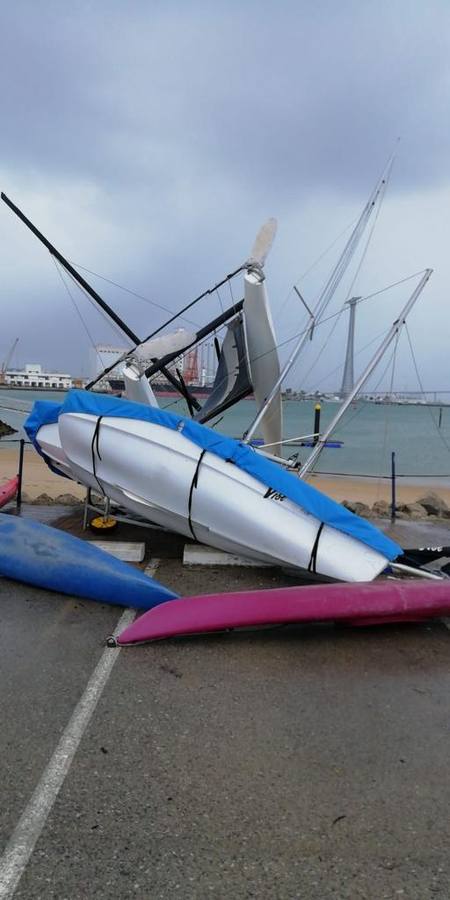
{"type": "Point", "coordinates": [32, 376]}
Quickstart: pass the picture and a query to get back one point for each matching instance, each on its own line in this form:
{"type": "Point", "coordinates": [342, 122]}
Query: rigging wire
{"type": "Point", "coordinates": [364, 299]}
{"type": "Point", "coordinates": [383, 190]}
{"type": "Point", "coordinates": [98, 309]}
{"type": "Point", "coordinates": [419, 380]}
{"type": "Point", "coordinates": [380, 199]}
{"type": "Point", "coordinates": [388, 410]}
{"type": "Point", "coordinates": [220, 300]}
{"type": "Point", "coordinates": [333, 316]}
{"type": "Point", "coordinates": [323, 321]}
{"type": "Point", "coordinates": [209, 292]}
{"type": "Point", "coordinates": [358, 409]}
{"type": "Point", "coordinates": [133, 293]}
{"type": "Point", "coordinates": [325, 344]}
{"type": "Point", "coordinates": [301, 277]}
{"type": "Point", "coordinates": [339, 368]}
{"type": "Point", "coordinates": [66, 286]}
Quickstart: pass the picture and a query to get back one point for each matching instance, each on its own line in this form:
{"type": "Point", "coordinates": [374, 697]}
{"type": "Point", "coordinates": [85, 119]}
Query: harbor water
{"type": "Point", "coordinates": [419, 434]}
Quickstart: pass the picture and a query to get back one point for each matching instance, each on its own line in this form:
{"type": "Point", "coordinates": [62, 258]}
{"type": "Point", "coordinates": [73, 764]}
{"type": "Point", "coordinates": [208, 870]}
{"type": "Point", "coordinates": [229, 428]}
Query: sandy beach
{"type": "Point", "coordinates": [38, 479]}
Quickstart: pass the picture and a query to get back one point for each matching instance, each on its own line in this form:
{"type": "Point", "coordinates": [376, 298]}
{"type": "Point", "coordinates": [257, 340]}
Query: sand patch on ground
{"type": "Point", "coordinates": [38, 479]}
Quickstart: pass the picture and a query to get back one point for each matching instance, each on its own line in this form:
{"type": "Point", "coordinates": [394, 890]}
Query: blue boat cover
{"type": "Point", "coordinates": [44, 556]}
{"type": "Point", "coordinates": [269, 473]}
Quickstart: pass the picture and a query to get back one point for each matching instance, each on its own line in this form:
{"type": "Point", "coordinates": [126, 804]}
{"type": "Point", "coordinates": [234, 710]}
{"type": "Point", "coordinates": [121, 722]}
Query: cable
{"type": "Point", "coordinates": [133, 293]}
{"type": "Point", "coordinates": [57, 267]}
{"type": "Point", "coordinates": [447, 446]}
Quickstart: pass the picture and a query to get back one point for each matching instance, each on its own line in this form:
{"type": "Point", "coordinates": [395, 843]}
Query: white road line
{"type": "Point", "coordinates": [32, 821]}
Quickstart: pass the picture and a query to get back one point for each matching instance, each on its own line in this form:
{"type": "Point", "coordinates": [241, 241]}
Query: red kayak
{"type": "Point", "coordinates": [9, 490]}
{"type": "Point", "coordinates": [370, 603]}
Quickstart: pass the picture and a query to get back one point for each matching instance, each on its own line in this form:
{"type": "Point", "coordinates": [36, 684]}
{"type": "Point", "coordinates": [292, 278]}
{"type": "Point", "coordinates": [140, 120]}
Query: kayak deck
{"type": "Point", "coordinates": [362, 604]}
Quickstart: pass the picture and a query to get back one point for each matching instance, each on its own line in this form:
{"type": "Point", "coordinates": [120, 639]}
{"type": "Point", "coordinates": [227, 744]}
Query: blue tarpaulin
{"type": "Point", "coordinates": [268, 473]}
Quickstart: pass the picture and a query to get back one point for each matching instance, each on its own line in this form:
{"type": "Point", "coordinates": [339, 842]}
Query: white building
{"type": "Point", "coordinates": [32, 376]}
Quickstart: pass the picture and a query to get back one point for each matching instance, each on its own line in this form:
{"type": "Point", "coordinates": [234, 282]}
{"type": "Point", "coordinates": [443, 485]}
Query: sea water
{"type": "Point", "coordinates": [370, 433]}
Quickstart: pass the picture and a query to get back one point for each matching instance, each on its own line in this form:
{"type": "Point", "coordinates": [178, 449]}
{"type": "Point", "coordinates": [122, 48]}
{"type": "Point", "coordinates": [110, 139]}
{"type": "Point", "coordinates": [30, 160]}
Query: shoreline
{"type": "Point", "coordinates": [38, 479]}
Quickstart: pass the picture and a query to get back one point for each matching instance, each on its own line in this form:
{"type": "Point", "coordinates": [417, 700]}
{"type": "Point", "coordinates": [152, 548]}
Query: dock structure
{"type": "Point", "coordinates": [348, 378]}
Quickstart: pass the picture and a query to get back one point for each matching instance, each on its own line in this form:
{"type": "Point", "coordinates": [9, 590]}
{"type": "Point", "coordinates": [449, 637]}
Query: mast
{"type": "Point", "coordinates": [73, 272]}
{"type": "Point", "coordinates": [392, 333]}
{"type": "Point", "coordinates": [327, 292]}
{"type": "Point", "coordinates": [348, 377]}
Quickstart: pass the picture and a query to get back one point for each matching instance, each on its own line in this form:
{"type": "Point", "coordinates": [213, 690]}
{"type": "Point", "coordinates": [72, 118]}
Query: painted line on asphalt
{"type": "Point", "coordinates": [31, 823]}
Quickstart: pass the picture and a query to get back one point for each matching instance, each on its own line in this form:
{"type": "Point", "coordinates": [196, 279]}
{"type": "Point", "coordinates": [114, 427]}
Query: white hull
{"type": "Point", "coordinates": [149, 470]}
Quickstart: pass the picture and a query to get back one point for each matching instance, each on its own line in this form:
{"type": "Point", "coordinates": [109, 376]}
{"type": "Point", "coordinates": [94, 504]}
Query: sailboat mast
{"type": "Point", "coordinates": [393, 331]}
{"type": "Point", "coordinates": [326, 294]}
{"type": "Point", "coordinates": [73, 272]}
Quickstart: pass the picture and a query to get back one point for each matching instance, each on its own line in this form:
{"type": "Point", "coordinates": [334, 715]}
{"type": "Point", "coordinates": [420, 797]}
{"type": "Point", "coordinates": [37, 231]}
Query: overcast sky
{"type": "Point", "coordinates": [149, 141]}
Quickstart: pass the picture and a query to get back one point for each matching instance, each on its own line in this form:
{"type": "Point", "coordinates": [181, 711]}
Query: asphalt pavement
{"type": "Point", "coordinates": [300, 762]}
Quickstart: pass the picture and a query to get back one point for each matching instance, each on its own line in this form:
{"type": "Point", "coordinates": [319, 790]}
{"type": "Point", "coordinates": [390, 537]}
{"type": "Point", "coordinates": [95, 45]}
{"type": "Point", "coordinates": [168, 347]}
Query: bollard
{"type": "Point", "coordinates": [316, 428]}
{"type": "Point", "coordinates": [20, 474]}
{"type": "Point", "coordinates": [393, 497]}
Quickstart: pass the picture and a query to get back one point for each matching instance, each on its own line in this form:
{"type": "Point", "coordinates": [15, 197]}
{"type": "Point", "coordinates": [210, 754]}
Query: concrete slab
{"type": "Point", "coordinates": [124, 550]}
{"type": "Point", "coordinates": [199, 555]}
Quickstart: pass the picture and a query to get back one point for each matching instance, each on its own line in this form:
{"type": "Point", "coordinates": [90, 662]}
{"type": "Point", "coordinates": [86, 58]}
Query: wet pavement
{"type": "Point", "coordinates": [303, 762]}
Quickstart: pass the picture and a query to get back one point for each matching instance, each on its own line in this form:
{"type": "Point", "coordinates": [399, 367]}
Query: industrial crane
{"type": "Point", "coordinates": [7, 361]}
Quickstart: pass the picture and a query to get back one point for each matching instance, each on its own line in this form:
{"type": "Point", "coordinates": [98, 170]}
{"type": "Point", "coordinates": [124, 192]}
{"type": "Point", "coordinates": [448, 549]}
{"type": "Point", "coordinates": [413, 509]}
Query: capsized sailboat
{"type": "Point", "coordinates": [184, 476]}
{"type": "Point", "coordinates": [176, 472]}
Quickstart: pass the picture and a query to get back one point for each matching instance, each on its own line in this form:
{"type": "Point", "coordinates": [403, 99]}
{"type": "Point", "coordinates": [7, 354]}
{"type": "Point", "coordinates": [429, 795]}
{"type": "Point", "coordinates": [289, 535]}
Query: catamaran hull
{"type": "Point", "coordinates": [164, 477]}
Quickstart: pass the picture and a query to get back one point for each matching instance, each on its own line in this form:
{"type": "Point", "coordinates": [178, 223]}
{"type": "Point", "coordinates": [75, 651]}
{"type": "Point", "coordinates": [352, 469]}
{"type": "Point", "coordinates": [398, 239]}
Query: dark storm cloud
{"type": "Point", "coordinates": [152, 138]}
{"type": "Point", "coordinates": [294, 94]}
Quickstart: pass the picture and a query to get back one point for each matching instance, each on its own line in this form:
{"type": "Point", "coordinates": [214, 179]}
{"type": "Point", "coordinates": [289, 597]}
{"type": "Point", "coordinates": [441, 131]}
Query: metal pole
{"type": "Point", "coordinates": [393, 332]}
{"type": "Point", "coordinates": [393, 493]}
{"type": "Point", "coordinates": [73, 272]}
{"type": "Point", "coordinates": [169, 357]}
{"type": "Point", "coordinates": [316, 428]}
{"type": "Point", "coordinates": [325, 296]}
{"type": "Point", "coordinates": [20, 474]}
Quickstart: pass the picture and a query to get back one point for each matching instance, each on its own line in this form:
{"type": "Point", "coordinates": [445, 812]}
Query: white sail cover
{"type": "Point", "coordinates": [158, 347]}
{"type": "Point", "coordinates": [263, 357]}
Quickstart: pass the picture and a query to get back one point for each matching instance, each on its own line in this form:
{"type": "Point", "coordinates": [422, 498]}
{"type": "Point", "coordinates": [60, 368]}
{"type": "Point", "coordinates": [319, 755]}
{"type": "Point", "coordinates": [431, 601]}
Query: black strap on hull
{"type": "Point", "coordinates": [95, 451]}
{"type": "Point", "coordinates": [194, 484]}
{"type": "Point", "coordinates": [313, 558]}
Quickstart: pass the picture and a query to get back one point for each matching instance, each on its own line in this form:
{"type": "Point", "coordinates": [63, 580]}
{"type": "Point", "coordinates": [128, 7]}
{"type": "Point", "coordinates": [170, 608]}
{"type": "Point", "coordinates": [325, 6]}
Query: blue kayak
{"type": "Point", "coordinates": [48, 558]}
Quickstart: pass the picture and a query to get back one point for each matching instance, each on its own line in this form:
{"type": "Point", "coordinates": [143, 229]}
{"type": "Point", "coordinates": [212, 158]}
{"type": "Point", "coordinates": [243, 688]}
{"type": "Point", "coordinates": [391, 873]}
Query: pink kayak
{"type": "Point", "coordinates": [370, 603]}
{"type": "Point", "coordinates": [8, 490]}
